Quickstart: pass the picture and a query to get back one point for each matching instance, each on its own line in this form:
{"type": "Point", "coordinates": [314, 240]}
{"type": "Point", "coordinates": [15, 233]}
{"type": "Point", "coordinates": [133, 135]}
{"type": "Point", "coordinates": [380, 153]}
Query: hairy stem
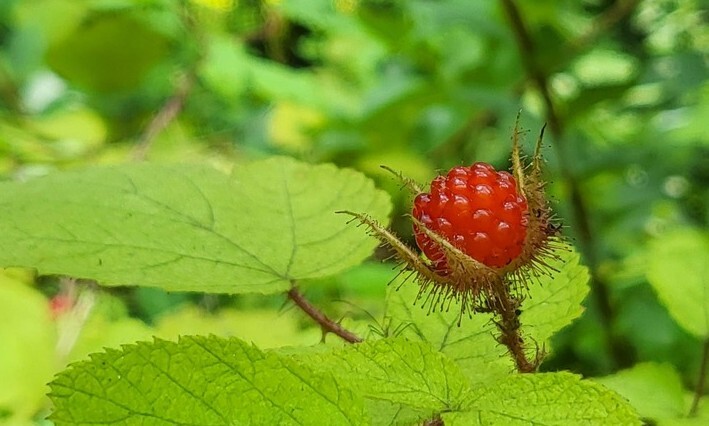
{"type": "Point", "coordinates": [505, 306]}
{"type": "Point", "coordinates": [699, 390]}
{"type": "Point", "coordinates": [328, 325]}
{"type": "Point", "coordinates": [579, 209]}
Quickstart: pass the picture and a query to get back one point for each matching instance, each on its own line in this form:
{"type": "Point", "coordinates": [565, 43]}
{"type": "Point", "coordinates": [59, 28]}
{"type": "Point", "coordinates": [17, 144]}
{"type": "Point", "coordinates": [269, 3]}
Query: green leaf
{"type": "Point", "coordinates": [679, 273]}
{"type": "Point", "coordinates": [555, 301]}
{"type": "Point", "coordinates": [403, 372]}
{"type": "Point", "coordinates": [27, 351]}
{"type": "Point", "coordinates": [700, 418]}
{"type": "Point", "coordinates": [545, 398]}
{"type": "Point", "coordinates": [190, 228]}
{"type": "Point", "coordinates": [386, 413]}
{"type": "Point", "coordinates": [472, 345]}
{"type": "Point", "coordinates": [246, 324]}
{"type": "Point", "coordinates": [655, 390]}
{"type": "Point", "coordinates": [110, 52]}
{"type": "Point", "coordinates": [199, 380]}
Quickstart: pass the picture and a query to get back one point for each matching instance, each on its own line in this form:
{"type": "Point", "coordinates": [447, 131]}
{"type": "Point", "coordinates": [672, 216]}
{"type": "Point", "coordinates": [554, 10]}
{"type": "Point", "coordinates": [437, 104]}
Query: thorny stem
{"type": "Point", "coordinates": [326, 323]}
{"type": "Point", "coordinates": [699, 390]}
{"type": "Point", "coordinates": [580, 214]}
{"type": "Point", "coordinates": [406, 181]}
{"type": "Point", "coordinates": [505, 307]}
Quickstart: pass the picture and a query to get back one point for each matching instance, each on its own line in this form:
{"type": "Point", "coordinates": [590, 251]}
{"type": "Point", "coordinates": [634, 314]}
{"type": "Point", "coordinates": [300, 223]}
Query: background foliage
{"type": "Point", "coordinates": [418, 85]}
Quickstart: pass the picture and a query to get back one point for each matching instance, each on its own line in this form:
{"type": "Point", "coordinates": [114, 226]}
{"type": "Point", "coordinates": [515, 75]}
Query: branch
{"type": "Point", "coordinates": [619, 10]}
{"type": "Point", "coordinates": [9, 93]}
{"type": "Point", "coordinates": [326, 323]}
{"type": "Point", "coordinates": [579, 209]}
{"type": "Point", "coordinates": [169, 111]}
{"type": "Point", "coordinates": [699, 390]}
{"type": "Point", "coordinates": [505, 307]}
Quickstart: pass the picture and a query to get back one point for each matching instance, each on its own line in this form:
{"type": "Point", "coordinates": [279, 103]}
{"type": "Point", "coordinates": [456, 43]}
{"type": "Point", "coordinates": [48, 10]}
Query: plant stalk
{"type": "Point", "coordinates": [699, 390]}
{"type": "Point", "coordinates": [505, 307]}
{"type": "Point", "coordinates": [166, 115]}
{"type": "Point", "coordinates": [579, 208]}
{"type": "Point", "coordinates": [327, 324]}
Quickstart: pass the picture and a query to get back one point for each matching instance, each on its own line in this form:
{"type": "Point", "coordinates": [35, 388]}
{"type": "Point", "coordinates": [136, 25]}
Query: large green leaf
{"type": "Point", "coordinates": [679, 272]}
{"type": "Point", "coordinates": [190, 228]}
{"type": "Point", "coordinates": [544, 399]}
{"type": "Point", "coordinates": [408, 373]}
{"type": "Point", "coordinates": [199, 380]}
{"type": "Point", "coordinates": [553, 302]}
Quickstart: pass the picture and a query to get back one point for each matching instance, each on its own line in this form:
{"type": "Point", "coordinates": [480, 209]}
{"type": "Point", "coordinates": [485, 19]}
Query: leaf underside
{"type": "Point", "coordinates": [190, 228]}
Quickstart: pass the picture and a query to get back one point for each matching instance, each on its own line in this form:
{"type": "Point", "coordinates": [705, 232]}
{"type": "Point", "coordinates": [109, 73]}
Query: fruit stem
{"type": "Point", "coordinates": [699, 390]}
{"type": "Point", "coordinates": [505, 306]}
{"type": "Point", "coordinates": [327, 325]}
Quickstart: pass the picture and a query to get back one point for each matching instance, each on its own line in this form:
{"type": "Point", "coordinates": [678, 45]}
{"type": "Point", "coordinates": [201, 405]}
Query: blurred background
{"type": "Point", "coordinates": [417, 85]}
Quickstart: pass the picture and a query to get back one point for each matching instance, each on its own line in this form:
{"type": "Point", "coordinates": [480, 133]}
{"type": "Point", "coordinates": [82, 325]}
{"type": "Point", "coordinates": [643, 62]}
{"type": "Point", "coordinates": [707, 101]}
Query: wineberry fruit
{"type": "Point", "coordinates": [478, 210]}
{"type": "Point", "coordinates": [486, 236]}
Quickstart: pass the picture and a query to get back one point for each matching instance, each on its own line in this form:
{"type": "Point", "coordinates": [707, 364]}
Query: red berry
{"type": "Point", "coordinates": [478, 210]}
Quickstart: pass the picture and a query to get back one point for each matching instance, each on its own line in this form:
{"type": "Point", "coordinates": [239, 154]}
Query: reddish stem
{"type": "Point", "coordinates": [326, 323]}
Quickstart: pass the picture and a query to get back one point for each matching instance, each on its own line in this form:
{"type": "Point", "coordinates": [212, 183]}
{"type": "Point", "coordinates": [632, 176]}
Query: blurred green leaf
{"type": "Point", "coordinates": [225, 66]}
{"type": "Point", "coordinates": [544, 398]}
{"type": "Point", "coordinates": [602, 67]}
{"type": "Point", "coordinates": [199, 380]}
{"type": "Point", "coordinates": [655, 390]}
{"type": "Point", "coordinates": [109, 52]}
{"type": "Point", "coordinates": [263, 328]}
{"type": "Point", "coordinates": [191, 228]}
{"type": "Point", "coordinates": [679, 273]}
{"type": "Point", "coordinates": [27, 360]}
{"type": "Point", "coordinates": [56, 19]}
{"type": "Point", "coordinates": [72, 132]}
